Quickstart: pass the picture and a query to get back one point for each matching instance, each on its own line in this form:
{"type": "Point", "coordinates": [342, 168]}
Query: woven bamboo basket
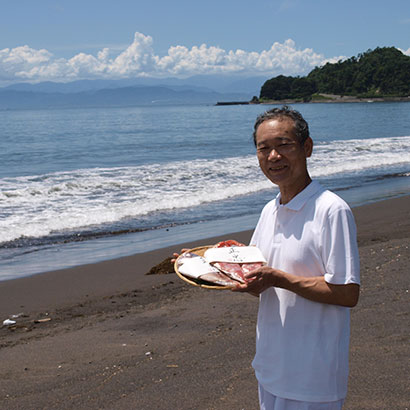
{"type": "Point", "coordinates": [198, 282]}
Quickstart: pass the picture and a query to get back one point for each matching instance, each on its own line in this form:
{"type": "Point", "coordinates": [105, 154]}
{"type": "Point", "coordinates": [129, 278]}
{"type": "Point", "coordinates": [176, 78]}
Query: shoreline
{"type": "Point", "coordinates": [327, 99]}
{"type": "Point", "coordinates": [77, 253]}
{"type": "Point", "coordinates": [99, 274]}
{"type": "Point", "coordinates": [108, 336]}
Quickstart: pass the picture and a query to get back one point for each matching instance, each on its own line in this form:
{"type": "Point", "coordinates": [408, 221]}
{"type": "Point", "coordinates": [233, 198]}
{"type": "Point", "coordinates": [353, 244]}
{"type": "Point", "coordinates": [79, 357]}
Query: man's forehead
{"type": "Point", "coordinates": [279, 119]}
{"type": "Point", "coordinates": [281, 127]}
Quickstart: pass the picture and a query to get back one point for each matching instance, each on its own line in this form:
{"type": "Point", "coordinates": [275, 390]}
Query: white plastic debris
{"type": "Point", "coordinates": [8, 322]}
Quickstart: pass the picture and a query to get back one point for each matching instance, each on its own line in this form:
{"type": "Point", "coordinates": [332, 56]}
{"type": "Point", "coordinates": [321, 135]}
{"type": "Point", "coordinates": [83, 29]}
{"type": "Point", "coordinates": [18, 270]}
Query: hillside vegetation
{"type": "Point", "coordinates": [383, 72]}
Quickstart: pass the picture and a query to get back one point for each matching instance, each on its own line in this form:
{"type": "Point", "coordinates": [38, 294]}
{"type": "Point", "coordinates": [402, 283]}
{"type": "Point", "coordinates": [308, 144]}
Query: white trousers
{"type": "Point", "coordinates": [268, 401]}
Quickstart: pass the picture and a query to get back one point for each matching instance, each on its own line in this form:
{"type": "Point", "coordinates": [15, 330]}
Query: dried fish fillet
{"type": "Point", "coordinates": [196, 267]}
{"type": "Point", "coordinates": [235, 259]}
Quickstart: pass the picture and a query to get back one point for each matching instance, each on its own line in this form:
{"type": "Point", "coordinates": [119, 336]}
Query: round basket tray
{"type": "Point", "coordinates": [198, 282]}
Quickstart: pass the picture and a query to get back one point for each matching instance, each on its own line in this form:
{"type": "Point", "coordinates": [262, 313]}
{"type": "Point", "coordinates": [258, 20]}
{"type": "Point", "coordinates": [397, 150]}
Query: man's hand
{"type": "Point", "coordinates": [313, 288]}
{"type": "Point", "coordinates": [259, 280]}
{"type": "Point", "coordinates": [175, 255]}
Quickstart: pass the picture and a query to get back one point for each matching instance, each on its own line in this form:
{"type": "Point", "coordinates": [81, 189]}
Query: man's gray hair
{"type": "Point", "coordinates": [301, 126]}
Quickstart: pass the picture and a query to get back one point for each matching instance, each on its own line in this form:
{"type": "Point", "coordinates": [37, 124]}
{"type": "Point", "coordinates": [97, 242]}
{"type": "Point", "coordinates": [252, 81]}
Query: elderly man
{"type": "Point", "coordinates": [308, 236]}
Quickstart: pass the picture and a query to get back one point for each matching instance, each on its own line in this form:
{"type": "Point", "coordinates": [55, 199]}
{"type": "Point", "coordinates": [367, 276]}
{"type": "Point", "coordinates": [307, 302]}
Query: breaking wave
{"type": "Point", "coordinates": [37, 206]}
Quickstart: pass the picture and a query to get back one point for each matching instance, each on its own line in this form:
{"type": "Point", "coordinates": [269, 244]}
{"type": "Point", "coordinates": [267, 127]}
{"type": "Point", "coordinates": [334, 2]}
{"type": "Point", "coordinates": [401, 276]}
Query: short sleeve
{"type": "Point", "coordinates": [339, 248]}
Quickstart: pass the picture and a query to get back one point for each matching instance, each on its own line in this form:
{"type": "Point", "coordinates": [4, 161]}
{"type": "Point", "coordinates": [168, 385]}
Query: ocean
{"type": "Point", "coordinates": [83, 185]}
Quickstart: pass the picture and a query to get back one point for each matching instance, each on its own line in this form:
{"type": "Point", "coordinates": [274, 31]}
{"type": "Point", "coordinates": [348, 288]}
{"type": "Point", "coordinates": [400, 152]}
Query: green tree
{"type": "Point", "coordinates": [277, 88]}
{"type": "Point", "coordinates": [380, 72]}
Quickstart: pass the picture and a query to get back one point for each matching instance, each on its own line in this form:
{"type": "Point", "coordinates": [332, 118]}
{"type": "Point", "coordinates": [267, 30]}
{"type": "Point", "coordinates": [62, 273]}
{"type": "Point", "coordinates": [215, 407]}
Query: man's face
{"type": "Point", "coordinates": [281, 156]}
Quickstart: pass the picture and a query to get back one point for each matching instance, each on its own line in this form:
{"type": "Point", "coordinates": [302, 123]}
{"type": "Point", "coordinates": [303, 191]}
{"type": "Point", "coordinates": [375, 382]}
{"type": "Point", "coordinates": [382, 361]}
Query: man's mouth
{"type": "Point", "coordinates": [277, 168]}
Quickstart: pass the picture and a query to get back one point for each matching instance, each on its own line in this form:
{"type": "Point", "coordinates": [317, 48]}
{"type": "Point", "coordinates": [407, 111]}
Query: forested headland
{"type": "Point", "coordinates": [379, 73]}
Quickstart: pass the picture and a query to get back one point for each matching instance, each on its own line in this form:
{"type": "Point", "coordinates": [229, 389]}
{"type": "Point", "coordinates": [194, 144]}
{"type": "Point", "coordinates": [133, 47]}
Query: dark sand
{"type": "Point", "coordinates": [115, 338]}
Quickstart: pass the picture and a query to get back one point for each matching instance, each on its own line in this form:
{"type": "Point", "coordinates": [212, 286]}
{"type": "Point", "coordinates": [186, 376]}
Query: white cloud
{"type": "Point", "coordinates": [407, 52]}
{"type": "Point", "coordinates": [333, 60]}
{"type": "Point", "coordinates": [139, 59]}
{"type": "Point", "coordinates": [18, 60]}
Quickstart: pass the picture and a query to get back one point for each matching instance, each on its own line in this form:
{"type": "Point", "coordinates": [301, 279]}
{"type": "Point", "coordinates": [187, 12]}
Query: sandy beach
{"type": "Point", "coordinates": [109, 336]}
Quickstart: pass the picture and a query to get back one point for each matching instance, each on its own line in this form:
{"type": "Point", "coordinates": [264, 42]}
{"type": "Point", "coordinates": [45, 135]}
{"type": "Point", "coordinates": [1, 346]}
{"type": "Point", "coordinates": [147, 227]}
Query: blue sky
{"type": "Point", "coordinates": [67, 40]}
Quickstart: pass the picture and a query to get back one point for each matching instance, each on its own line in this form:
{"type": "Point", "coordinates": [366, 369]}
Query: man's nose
{"type": "Point", "coordinates": [273, 154]}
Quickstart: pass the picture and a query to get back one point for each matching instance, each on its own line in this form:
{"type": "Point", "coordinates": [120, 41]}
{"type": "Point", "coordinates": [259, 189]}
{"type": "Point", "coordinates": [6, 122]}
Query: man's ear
{"type": "Point", "coordinates": [308, 147]}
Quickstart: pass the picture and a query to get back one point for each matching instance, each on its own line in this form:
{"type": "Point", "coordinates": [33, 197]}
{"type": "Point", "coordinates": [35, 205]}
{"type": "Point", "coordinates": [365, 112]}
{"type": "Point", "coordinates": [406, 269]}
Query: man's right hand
{"type": "Point", "coordinates": [175, 255]}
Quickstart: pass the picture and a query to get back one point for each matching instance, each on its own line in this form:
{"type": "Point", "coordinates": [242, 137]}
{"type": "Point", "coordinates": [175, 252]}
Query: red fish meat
{"type": "Point", "coordinates": [235, 271]}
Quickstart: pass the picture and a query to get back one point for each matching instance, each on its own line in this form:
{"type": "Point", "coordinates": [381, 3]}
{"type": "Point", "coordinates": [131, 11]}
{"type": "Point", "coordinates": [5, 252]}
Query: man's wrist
{"type": "Point", "coordinates": [278, 279]}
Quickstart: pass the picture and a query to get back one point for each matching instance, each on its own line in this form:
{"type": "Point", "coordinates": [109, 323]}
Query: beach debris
{"type": "Point", "coordinates": [16, 316]}
{"type": "Point", "coordinates": [9, 322]}
{"type": "Point", "coordinates": [46, 319]}
{"type": "Point", "coordinates": [163, 268]}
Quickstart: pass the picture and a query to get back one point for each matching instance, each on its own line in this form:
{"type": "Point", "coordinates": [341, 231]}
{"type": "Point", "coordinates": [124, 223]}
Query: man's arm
{"type": "Point", "coordinates": [313, 288]}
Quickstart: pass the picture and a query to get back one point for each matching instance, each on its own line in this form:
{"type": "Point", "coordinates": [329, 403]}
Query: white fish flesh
{"type": "Point", "coordinates": [195, 266]}
{"type": "Point", "coordinates": [235, 259]}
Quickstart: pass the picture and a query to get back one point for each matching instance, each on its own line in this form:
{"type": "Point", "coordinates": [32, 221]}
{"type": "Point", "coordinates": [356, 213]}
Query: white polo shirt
{"type": "Point", "coordinates": [302, 347]}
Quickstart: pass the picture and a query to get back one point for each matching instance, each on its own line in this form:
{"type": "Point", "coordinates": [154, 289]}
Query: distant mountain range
{"type": "Point", "coordinates": [144, 91]}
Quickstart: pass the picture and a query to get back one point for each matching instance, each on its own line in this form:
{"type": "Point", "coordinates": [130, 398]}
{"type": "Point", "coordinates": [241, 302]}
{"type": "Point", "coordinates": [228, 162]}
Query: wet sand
{"type": "Point", "coordinates": [108, 336]}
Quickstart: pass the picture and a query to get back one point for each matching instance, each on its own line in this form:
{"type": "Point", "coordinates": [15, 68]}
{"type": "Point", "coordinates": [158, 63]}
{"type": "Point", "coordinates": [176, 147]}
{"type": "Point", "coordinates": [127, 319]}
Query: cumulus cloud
{"type": "Point", "coordinates": [139, 60]}
{"type": "Point", "coordinates": [17, 61]}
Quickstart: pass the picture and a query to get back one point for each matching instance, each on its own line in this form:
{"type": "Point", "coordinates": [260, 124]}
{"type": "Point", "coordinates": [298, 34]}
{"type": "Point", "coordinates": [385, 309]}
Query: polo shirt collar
{"type": "Point", "coordinates": [296, 203]}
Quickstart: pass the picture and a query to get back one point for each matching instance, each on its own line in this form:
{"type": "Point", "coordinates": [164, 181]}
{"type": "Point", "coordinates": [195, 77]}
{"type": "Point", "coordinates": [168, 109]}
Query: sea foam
{"type": "Point", "coordinates": [37, 206]}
